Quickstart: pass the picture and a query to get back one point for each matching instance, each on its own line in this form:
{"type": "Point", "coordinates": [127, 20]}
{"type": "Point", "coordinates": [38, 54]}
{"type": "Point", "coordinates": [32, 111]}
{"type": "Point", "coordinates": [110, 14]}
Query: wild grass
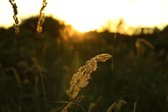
{"type": "Point", "coordinates": [137, 75]}
{"type": "Point", "coordinates": [82, 77]}
{"type": "Point", "coordinates": [34, 82]}
{"type": "Point", "coordinates": [15, 18]}
{"type": "Point", "coordinates": [116, 106]}
{"type": "Point", "coordinates": [41, 17]}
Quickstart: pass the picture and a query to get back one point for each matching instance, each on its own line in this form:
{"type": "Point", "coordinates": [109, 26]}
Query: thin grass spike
{"type": "Point", "coordinates": [41, 17]}
{"type": "Point", "coordinates": [15, 18]}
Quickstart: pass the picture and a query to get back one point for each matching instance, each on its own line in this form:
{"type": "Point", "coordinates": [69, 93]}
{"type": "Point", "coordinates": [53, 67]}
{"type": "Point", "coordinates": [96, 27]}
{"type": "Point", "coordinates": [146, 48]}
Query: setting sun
{"type": "Point", "coordinates": [86, 15]}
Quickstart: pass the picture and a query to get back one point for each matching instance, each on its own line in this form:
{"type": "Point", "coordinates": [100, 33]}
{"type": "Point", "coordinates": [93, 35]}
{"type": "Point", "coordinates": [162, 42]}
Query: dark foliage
{"type": "Point", "coordinates": [35, 69]}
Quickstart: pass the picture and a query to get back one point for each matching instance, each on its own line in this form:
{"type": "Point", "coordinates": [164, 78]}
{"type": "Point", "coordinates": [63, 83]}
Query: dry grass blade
{"type": "Point", "coordinates": [81, 78]}
{"type": "Point", "coordinates": [41, 17]}
{"type": "Point", "coordinates": [16, 21]}
{"type": "Point", "coordinates": [140, 43]}
{"type": "Point", "coordinates": [116, 106]}
{"type": "Point", "coordinates": [65, 109]}
{"type": "Point", "coordinates": [91, 107]}
{"type": "Point", "coordinates": [69, 105]}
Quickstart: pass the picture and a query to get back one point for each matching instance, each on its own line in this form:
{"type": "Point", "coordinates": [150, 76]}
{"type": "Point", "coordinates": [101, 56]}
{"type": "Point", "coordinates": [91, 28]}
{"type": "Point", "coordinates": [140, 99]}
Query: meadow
{"type": "Point", "coordinates": [36, 70]}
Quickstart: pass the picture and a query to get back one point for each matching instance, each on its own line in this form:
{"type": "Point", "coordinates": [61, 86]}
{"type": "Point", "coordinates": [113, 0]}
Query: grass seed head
{"type": "Point", "coordinates": [81, 78]}
{"type": "Point", "coordinates": [15, 18]}
{"type": "Point", "coordinates": [41, 17]}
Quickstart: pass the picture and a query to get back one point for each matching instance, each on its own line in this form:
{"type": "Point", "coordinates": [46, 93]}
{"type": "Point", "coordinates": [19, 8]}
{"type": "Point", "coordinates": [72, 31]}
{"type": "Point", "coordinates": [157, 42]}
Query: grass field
{"type": "Point", "coordinates": [36, 70]}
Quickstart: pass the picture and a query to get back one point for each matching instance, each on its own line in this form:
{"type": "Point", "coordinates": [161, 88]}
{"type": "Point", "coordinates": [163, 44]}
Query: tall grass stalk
{"type": "Point", "coordinates": [81, 78]}
{"type": "Point", "coordinates": [15, 18]}
{"type": "Point", "coordinates": [41, 17]}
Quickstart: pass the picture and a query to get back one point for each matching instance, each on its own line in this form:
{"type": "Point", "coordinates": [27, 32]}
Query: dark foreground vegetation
{"type": "Point", "coordinates": [35, 69]}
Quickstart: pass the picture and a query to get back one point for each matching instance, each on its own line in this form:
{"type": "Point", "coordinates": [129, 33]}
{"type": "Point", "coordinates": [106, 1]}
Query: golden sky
{"type": "Point", "coordinates": [85, 15]}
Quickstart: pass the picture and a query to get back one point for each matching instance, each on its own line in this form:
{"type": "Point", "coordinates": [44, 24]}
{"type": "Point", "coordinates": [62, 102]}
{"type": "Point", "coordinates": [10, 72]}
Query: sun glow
{"type": "Point", "coordinates": [86, 15]}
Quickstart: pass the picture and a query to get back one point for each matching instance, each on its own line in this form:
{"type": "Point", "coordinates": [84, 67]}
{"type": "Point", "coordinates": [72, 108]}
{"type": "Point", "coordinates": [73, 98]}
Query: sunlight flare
{"type": "Point", "coordinates": [86, 15]}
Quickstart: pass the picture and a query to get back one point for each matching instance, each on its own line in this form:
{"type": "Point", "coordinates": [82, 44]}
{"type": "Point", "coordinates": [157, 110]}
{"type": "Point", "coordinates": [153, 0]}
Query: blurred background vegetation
{"type": "Point", "coordinates": [35, 69]}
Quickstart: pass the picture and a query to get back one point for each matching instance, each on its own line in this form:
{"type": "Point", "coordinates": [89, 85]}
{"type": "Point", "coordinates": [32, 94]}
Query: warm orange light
{"type": "Point", "coordinates": [86, 15]}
